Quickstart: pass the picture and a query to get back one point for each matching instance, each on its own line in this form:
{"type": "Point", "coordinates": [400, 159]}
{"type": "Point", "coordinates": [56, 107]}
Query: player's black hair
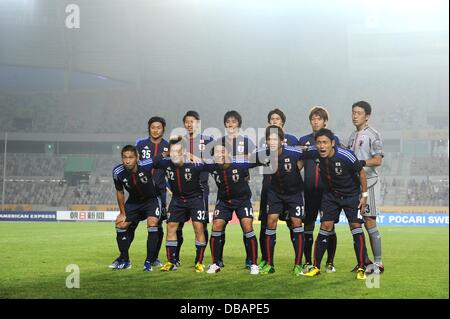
{"type": "Point", "coordinates": [279, 130]}
{"type": "Point", "coordinates": [365, 105]}
{"type": "Point", "coordinates": [325, 132]}
{"type": "Point", "coordinates": [279, 112]}
{"type": "Point", "coordinates": [129, 148]}
{"type": "Point", "coordinates": [157, 119]}
{"type": "Point", "coordinates": [234, 114]}
{"type": "Point", "coordinates": [175, 141]}
{"type": "Point", "coordinates": [194, 114]}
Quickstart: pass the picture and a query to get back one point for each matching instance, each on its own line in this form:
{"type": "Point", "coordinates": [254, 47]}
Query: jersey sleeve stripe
{"type": "Point", "coordinates": [342, 151]}
{"type": "Point", "coordinates": [349, 158]}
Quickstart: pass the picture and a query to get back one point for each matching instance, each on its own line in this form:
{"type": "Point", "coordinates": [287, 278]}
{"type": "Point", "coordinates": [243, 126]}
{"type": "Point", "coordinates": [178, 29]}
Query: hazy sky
{"type": "Point", "coordinates": [249, 55]}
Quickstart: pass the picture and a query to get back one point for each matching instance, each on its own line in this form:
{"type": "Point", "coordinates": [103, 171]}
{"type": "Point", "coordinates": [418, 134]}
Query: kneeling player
{"type": "Point", "coordinates": [233, 195]}
{"type": "Point", "coordinates": [187, 202]}
{"type": "Point", "coordinates": [345, 188]}
{"type": "Point", "coordinates": [142, 203]}
{"type": "Point", "coordinates": [285, 193]}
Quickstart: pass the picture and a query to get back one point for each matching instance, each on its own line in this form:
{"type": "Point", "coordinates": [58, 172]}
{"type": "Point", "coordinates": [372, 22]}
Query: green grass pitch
{"type": "Point", "coordinates": [34, 257]}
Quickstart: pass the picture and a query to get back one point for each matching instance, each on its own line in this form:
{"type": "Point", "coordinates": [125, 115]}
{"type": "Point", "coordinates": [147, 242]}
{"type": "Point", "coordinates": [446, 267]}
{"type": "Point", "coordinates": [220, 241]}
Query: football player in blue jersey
{"type": "Point", "coordinates": [183, 175]}
{"type": "Point", "coordinates": [233, 195]}
{"type": "Point", "coordinates": [285, 193]}
{"type": "Point", "coordinates": [196, 145]}
{"type": "Point", "coordinates": [153, 147]}
{"type": "Point", "coordinates": [143, 203]}
{"type": "Point", "coordinates": [345, 188]}
{"type": "Point", "coordinates": [278, 118]}
{"type": "Point", "coordinates": [318, 119]}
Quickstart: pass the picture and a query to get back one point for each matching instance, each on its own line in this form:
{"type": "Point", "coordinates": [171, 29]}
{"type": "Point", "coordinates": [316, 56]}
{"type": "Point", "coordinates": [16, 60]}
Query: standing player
{"type": "Point", "coordinates": [233, 195]}
{"type": "Point", "coordinates": [142, 203]}
{"type": "Point", "coordinates": [368, 147]}
{"type": "Point", "coordinates": [285, 193]}
{"type": "Point", "coordinates": [239, 147]}
{"type": "Point", "coordinates": [278, 118]}
{"type": "Point", "coordinates": [152, 147]}
{"type": "Point", "coordinates": [195, 143]}
{"type": "Point", "coordinates": [345, 189]}
{"type": "Point", "coordinates": [187, 202]}
{"type": "Point", "coordinates": [318, 118]}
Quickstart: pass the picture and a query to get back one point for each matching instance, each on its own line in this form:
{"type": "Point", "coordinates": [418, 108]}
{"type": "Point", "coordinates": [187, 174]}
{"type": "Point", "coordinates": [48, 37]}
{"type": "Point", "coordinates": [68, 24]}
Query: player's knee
{"type": "Point", "coordinates": [328, 226]}
{"type": "Point", "coordinates": [247, 228]}
{"type": "Point", "coordinates": [370, 222]}
{"type": "Point", "coordinates": [217, 226]}
{"type": "Point", "coordinates": [152, 222]}
{"type": "Point", "coordinates": [172, 228]}
{"type": "Point", "coordinates": [122, 225]}
{"type": "Point", "coordinates": [272, 222]}
{"type": "Point", "coordinates": [295, 222]}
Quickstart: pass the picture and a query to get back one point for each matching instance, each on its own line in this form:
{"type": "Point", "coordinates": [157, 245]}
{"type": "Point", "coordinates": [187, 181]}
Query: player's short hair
{"type": "Point", "coordinates": [364, 105]}
{"type": "Point", "coordinates": [279, 130]}
{"type": "Point", "coordinates": [176, 141]}
{"type": "Point", "coordinates": [129, 148]}
{"type": "Point", "coordinates": [325, 132]}
{"type": "Point", "coordinates": [279, 112]}
{"type": "Point", "coordinates": [319, 111]}
{"type": "Point", "coordinates": [194, 114]}
{"type": "Point", "coordinates": [234, 114]}
{"type": "Point", "coordinates": [157, 119]}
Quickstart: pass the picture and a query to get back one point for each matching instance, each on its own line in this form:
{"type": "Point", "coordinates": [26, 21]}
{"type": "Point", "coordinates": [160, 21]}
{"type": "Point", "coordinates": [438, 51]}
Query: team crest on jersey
{"type": "Point", "coordinates": [241, 149]}
{"type": "Point", "coordinates": [288, 167]}
{"type": "Point", "coordinates": [143, 178]}
{"type": "Point", "coordinates": [126, 182]}
{"type": "Point", "coordinates": [338, 169]}
{"type": "Point", "coordinates": [361, 142]}
{"type": "Point", "coordinates": [165, 149]}
{"type": "Point", "coordinates": [216, 212]}
{"type": "Point", "coordinates": [235, 178]}
{"type": "Point", "coordinates": [188, 177]}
